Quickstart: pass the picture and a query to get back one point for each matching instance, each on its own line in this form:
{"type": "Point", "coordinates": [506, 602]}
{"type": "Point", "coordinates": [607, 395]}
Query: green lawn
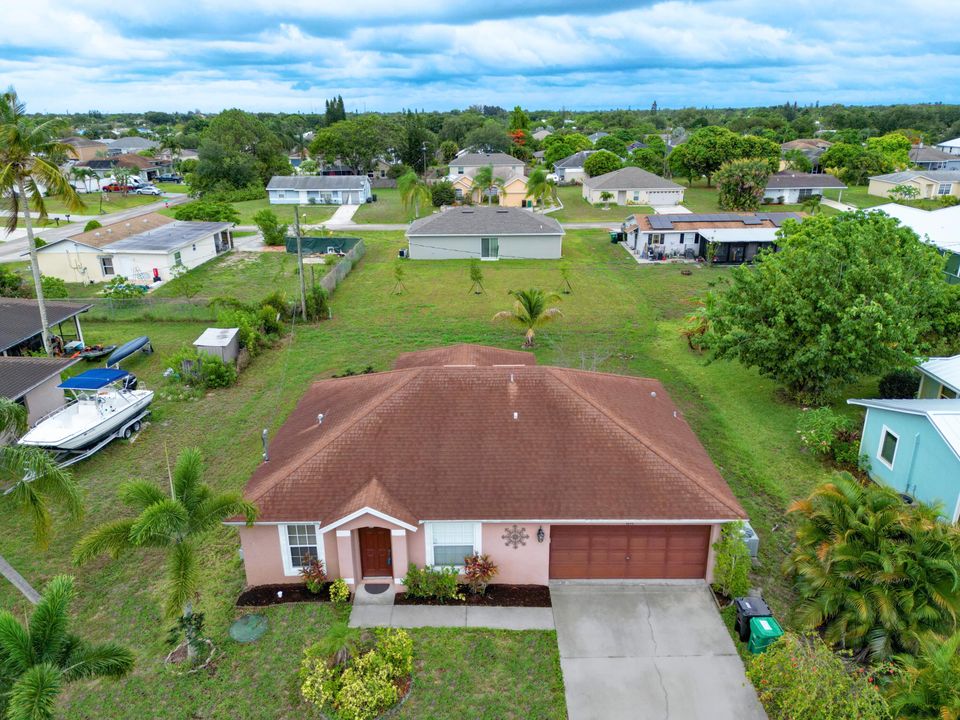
{"type": "Point", "coordinates": [112, 202]}
{"type": "Point", "coordinates": [387, 209]}
{"type": "Point", "coordinates": [248, 275]}
{"type": "Point", "coordinates": [702, 199]}
{"type": "Point", "coordinates": [858, 196]}
{"type": "Point", "coordinates": [576, 209]}
{"type": "Point", "coordinates": [173, 187]}
{"type": "Point", "coordinates": [621, 317]}
{"type": "Point", "coordinates": [315, 214]}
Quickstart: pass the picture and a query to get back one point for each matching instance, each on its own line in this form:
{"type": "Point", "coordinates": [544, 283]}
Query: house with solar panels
{"type": "Point", "coordinates": [739, 236]}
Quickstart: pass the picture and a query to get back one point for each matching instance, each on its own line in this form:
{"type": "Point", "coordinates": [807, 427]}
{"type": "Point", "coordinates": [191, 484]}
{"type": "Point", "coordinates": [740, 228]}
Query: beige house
{"type": "Point", "coordinates": [512, 194]}
{"type": "Point", "coordinates": [931, 184]}
{"type": "Point", "coordinates": [85, 149]}
{"type": "Point", "coordinates": [632, 186]}
{"type": "Point", "coordinates": [469, 164]}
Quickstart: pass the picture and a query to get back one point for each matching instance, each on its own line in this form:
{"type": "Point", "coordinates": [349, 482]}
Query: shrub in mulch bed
{"type": "Point", "coordinates": [495, 596]}
{"type": "Point", "coordinates": [261, 595]}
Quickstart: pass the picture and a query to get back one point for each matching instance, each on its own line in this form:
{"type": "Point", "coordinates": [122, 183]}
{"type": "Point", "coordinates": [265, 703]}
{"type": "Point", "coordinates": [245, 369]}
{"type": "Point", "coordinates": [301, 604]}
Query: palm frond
{"type": "Point", "coordinates": [140, 494]}
{"type": "Point", "coordinates": [16, 650]}
{"type": "Point", "coordinates": [107, 660]}
{"type": "Point", "coordinates": [13, 417]}
{"type": "Point", "coordinates": [183, 578]}
{"type": "Point", "coordinates": [163, 521]}
{"type": "Point", "coordinates": [34, 694]}
{"type": "Point", "coordinates": [214, 510]}
{"type": "Point", "coordinates": [111, 538]}
{"type": "Point", "coordinates": [187, 474]}
{"type": "Point", "coordinates": [48, 623]}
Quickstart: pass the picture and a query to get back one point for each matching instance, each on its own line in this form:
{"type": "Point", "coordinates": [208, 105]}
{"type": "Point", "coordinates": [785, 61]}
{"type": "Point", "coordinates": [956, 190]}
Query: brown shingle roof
{"type": "Point", "coordinates": [20, 375]}
{"type": "Point", "coordinates": [443, 443]}
{"type": "Point", "coordinates": [121, 230]}
{"type": "Point", "coordinates": [463, 354]}
{"type": "Point", "coordinates": [20, 318]}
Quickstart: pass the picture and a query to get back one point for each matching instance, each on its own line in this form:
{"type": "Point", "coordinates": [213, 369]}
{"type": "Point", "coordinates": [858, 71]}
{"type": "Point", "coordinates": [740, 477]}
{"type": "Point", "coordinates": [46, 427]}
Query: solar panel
{"type": "Point", "coordinates": [752, 220]}
{"type": "Point", "coordinates": [660, 222]}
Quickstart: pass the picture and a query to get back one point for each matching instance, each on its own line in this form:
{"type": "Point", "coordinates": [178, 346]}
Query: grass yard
{"type": "Point", "coordinates": [172, 187]}
{"type": "Point", "coordinates": [702, 199]}
{"type": "Point", "coordinates": [858, 196]}
{"type": "Point", "coordinates": [245, 275]}
{"type": "Point", "coordinates": [315, 214]}
{"type": "Point", "coordinates": [387, 209]}
{"type": "Point", "coordinates": [576, 209]}
{"type": "Point", "coordinates": [112, 202]}
{"type": "Point", "coordinates": [621, 317]}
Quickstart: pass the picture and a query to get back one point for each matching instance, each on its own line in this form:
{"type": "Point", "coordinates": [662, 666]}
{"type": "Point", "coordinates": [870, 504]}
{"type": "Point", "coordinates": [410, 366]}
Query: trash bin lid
{"type": "Point", "coordinates": [751, 607]}
{"type": "Point", "coordinates": [764, 627]}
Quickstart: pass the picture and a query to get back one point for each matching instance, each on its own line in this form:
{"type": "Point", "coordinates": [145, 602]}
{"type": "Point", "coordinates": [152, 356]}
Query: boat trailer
{"type": "Point", "coordinates": [66, 458]}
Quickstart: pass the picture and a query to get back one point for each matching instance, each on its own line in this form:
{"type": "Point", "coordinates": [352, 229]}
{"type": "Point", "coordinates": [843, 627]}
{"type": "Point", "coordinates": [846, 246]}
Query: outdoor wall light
{"type": "Point", "coordinates": [540, 534]}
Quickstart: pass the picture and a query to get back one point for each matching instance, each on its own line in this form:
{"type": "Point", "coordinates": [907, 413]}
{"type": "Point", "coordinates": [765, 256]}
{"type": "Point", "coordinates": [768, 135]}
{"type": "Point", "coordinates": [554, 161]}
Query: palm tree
{"type": "Point", "coordinates": [539, 187]}
{"type": "Point", "coordinates": [414, 190]}
{"type": "Point", "coordinates": [84, 175]}
{"type": "Point", "coordinates": [29, 480]}
{"type": "Point", "coordinates": [812, 204]}
{"type": "Point", "coordinates": [530, 311]}
{"type": "Point", "coordinates": [872, 573]}
{"type": "Point", "coordinates": [121, 176]}
{"type": "Point", "coordinates": [26, 169]}
{"type": "Point", "coordinates": [37, 659]}
{"type": "Point", "coordinates": [483, 181]}
{"type": "Point", "coordinates": [927, 684]}
{"type": "Point", "coordinates": [174, 523]}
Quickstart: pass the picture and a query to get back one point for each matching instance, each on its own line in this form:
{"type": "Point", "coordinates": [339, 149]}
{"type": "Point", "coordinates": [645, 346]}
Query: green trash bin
{"type": "Point", "coordinates": [763, 632]}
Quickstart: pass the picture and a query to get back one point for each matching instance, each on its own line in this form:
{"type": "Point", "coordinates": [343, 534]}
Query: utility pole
{"type": "Point", "coordinates": [303, 288]}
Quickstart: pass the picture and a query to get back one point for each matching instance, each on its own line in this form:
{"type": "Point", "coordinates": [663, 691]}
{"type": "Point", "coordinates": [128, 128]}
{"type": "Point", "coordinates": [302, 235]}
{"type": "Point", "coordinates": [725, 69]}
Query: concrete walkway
{"type": "Point", "coordinates": [412, 616]}
{"type": "Point", "coordinates": [648, 651]}
{"type": "Point", "coordinates": [343, 216]}
{"type": "Point", "coordinates": [836, 205]}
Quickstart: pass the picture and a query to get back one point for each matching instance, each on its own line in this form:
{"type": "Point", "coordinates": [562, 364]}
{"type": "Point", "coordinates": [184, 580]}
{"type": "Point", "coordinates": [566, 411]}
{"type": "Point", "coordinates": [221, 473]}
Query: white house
{"type": "Point", "coordinates": [570, 169]}
{"type": "Point", "coordinates": [469, 164]}
{"type": "Point", "coordinates": [139, 249]}
{"type": "Point", "coordinates": [318, 189]}
{"type": "Point", "coordinates": [488, 233]}
{"type": "Point", "coordinates": [788, 187]}
{"type": "Point", "coordinates": [932, 158]}
{"type": "Point", "coordinates": [632, 186]}
{"type": "Point", "coordinates": [940, 228]}
{"type": "Point", "coordinates": [950, 146]}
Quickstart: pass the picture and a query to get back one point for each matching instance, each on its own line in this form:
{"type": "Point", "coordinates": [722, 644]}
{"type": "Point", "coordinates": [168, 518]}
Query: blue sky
{"type": "Point", "coordinates": [289, 55]}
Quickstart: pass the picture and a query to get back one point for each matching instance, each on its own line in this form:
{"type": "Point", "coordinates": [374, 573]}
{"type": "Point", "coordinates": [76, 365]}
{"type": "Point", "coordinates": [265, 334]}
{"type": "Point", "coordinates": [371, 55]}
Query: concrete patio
{"type": "Point", "coordinates": [411, 616]}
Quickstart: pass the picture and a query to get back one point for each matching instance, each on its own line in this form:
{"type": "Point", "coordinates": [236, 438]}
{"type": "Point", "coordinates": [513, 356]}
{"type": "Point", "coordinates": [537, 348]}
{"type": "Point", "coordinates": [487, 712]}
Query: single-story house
{"type": "Point", "coordinates": [147, 169]}
{"type": "Point", "coordinates": [950, 146]}
{"type": "Point", "coordinates": [485, 232]}
{"type": "Point", "coordinates": [931, 184]}
{"type": "Point", "coordinates": [914, 447]}
{"type": "Point", "coordinates": [940, 228]}
{"type": "Point", "coordinates": [794, 187]}
{"type": "Point", "coordinates": [570, 169]}
{"type": "Point", "coordinates": [318, 189]}
{"type": "Point", "coordinates": [593, 137]}
{"type": "Point", "coordinates": [139, 249]}
{"type": "Point", "coordinates": [512, 194]}
{"type": "Point", "coordinates": [932, 158]}
{"type": "Point", "coordinates": [20, 327]}
{"type": "Point", "coordinates": [632, 186]}
{"type": "Point", "coordinates": [433, 462]}
{"type": "Point", "coordinates": [85, 149]}
{"type": "Point", "coordinates": [541, 133]}
{"type": "Point", "coordinates": [33, 382]}
{"type": "Point", "coordinates": [810, 148]}
{"type": "Point", "coordinates": [739, 236]}
{"type": "Point", "coordinates": [469, 164]}
{"type": "Point", "coordinates": [939, 378]}
{"type": "Point", "coordinates": [130, 145]}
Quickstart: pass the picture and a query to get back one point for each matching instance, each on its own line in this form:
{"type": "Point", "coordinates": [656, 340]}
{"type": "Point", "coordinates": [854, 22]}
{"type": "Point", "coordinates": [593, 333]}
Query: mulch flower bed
{"type": "Point", "coordinates": [262, 595]}
{"type": "Point", "coordinates": [495, 596]}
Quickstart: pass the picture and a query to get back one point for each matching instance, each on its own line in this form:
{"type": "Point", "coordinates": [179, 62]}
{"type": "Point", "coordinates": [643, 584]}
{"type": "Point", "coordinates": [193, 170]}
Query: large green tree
{"type": "Point", "coordinates": [39, 658]}
{"type": "Point", "coordinates": [358, 142]}
{"type": "Point", "coordinates": [612, 143]}
{"type": "Point", "coordinates": [601, 162]}
{"type": "Point", "coordinates": [709, 148]}
{"type": "Point", "coordinates": [28, 171]}
{"type": "Point", "coordinates": [238, 149]}
{"type": "Point", "coordinates": [489, 137]}
{"type": "Point", "coordinates": [846, 296]}
{"type": "Point", "coordinates": [741, 183]}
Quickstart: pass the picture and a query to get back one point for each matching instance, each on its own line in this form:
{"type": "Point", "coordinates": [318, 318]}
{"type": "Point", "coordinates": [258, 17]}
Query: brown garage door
{"type": "Point", "coordinates": [629, 551]}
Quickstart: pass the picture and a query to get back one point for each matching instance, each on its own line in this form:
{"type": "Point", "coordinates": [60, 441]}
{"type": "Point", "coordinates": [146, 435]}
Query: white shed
{"type": "Point", "coordinates": [223, 343]}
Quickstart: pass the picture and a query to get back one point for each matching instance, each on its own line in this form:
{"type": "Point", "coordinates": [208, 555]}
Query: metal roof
{"type": "Point", "coordinates": [945, 370]}
{"type": "Point", "coordinates": [20, 318]}
{"type": "Point", "coordinates": [216, 337]}
{"type": "Point", "coordinates": [20, 375]}
{"type": "Point", "coordinates": [944, 415]}
{"type": "Point", "coordinates": [317, 182]}
{"type": "Point", "coordinates": [940, 228]}
{"type": "Point", "coordinates": [167, 238]}
{"type": "Point", "coordinates": [907, 175]}
{"type": "Point", "coordinates": [485, 221]}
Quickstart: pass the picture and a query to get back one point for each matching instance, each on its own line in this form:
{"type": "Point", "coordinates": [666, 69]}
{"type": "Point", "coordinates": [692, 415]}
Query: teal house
{"type": "Point", "coordinates": [914, 447]}
{"type": "Point", "coordinates": [940, 378]}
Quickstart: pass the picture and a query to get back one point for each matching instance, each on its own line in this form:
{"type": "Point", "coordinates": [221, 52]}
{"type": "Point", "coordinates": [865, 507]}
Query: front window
{"type": "Point", "coordinates": [299, 542]}
{"type": "Point", "coordinates": [888, 448]}
{"type": "Point", "coordinates": [448, 543]}
{"type": "Point", "coordinates": [655, 239]}
{"type": "Point", "coordinates": [636, 197]}
{"type": "Point", "coordinates": [804, 193]}
{"type": "Point", "coordinates": [489, 248]}
{"type": "Point", "coordinates": [280, 194]}
{"type": "Point", "coordinates": [459, 171]}
{"type": "Point", "coordinates": [944, 189]}
{"type": "Point", "coordinates": [106, 264]}
{"type": "Point", "coordinates": [176, 258]}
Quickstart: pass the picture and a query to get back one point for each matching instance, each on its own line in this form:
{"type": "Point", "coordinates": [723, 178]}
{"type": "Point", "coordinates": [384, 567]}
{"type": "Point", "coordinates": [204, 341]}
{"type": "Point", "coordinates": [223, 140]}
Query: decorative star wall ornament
{"type": "Point", "coordinates": [515, 536]}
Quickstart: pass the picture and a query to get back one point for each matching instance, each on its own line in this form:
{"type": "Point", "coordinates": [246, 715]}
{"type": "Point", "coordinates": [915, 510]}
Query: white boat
{"type": "Point", "coordinates": [105, 403]}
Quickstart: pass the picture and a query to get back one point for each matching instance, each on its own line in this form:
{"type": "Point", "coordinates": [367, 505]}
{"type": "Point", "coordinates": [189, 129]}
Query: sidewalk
{"type": "Point", "coordinates": [836, 205]}
{"type": "Point", "coordinates": [343, 216]}
{"type": "Point", "coordinates": [411, 616]}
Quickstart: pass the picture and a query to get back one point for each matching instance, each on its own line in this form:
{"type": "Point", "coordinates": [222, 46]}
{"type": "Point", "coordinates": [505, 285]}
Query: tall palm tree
{"type": "Point", "coordinates": [541, 188]}
{"type": "Point", "coordinates": [414, 190]}
{"type": "Point", "coordinates": [121, 176]}
{"type": "Point", "coordinates": [927, 686]}
{"type": "Point", "coordinates": [482, 182]}
{"type": "Point", "coordinates": [84, 175]}
{"type": "Point", "coordinates": [26, 170]}
{"type": "Point", "coordinates": [38, 659]}
{"type": "Point", "coordinates": [530, 311]}
{"type": "Point", "coordinates": [872, 573]}
{"type": "Point", "coordinates": [30, 480]}
{"type": "Point", "coordinates": [174, 523]}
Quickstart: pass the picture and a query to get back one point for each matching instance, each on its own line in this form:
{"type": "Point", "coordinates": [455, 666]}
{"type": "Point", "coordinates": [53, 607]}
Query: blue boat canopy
{"type": "Point", "coordinates": [93, 379]}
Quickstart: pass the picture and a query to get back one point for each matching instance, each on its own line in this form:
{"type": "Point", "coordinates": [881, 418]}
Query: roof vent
{"type": "Point", "coordinates": [96, 234]}
{"type": "Point", "coordinates": [653, 394]}
{"type": "Point", "coordinates": [516, 416]}
{"type": "Point", "coordinates": [128, 224]}
{"type": "Point", "coordinates": [320, 419]}
{"type": "Point", "coordinates": [503, 212]}
{"type": "Point", "coordinates": [511, 377]}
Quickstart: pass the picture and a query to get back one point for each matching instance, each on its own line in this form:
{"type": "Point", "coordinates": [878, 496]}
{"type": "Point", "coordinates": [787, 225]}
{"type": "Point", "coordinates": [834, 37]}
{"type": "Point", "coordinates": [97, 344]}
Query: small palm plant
{"type": "Point", "coordinates": [530, 311]}
{"type": "Point", "coordinates": [414, 191]}
{"type": "Point", "coordinates": [812, 204]}
{"type": "Point", "coordinates": [173, 523]}
{"type": "Point", "coordinates": [606, 196]}
{"type": "Point", "coordinates": [38, 659]}
{"type": "Point", "coordinates": [926, 686]}
{"type": "Point", "coordinates": [121, 176]}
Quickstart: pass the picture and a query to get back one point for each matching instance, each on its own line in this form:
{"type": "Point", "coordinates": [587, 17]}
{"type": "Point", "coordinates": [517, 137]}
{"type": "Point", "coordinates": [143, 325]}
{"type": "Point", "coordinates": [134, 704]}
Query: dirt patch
{"type": "Point", "coordinates": [495, 596]}
{"type": "Point", "coordinates": [262, 595]}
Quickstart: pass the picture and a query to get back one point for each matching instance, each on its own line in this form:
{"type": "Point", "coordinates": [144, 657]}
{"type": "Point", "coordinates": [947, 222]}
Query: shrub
{"type": "Point", "coordinates": [899, 385]}
{"type": "Point", "coordinates": [478, 571]}
{"type": "Point", "coordinates": [339, 593]}
{"type": "Point", "coordinates": [122, 289]}
{"type": "Point", "coordinates": [208, 211]}
{"type": "Point", "coordinates": [731, 569]}
{"type": "Point", "coordinates": [366, 689]}
{"type": "Point", "coordinates": [11, 284]}
{"type": "Point", "coordinates": [318, 305]}
{"type": "Point", "coordinates": [948, 200]}
{"type": "Point", "coordinates": [439, 584]}
{"type": "Point", "coordinates": [251, 192]}
{"type": "Point", "coordinates": [826, 433]}
{"type": "Point", "coordinates": [800, 678]}
{"type": "Point", "coordinates": [396, 649]}
{"type": "Point", "coordinates": [191, 367]}
{"type": "Point", "coordinates": [274, 232]}
{"type": "Point", "coordinates": [313, 574]}
{"type": "Point", "coordinates": [278, 301]}
{"type": "Point", "coordinates": [53, 287]}
{"type": "Point", "coordinates": [442, 193]}
{"type": "Point", "coordinates": [398, 171]}
{"type": "Point", "coordinates": [215, 373]}
{"type": "Point", "coordinates": [926, 686]}
{"type": "Point", "coordinates": [91, 225]}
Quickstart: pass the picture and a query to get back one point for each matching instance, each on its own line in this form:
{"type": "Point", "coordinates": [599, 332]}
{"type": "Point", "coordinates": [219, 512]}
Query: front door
{"type": "Point", "coordinates": [375, 556]}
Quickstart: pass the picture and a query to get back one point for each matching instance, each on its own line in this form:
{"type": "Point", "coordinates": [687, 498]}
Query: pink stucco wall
{"type": "Point", "coordinates": [527, 564]}
{"type": "Point", "coordinates": [262, 557]}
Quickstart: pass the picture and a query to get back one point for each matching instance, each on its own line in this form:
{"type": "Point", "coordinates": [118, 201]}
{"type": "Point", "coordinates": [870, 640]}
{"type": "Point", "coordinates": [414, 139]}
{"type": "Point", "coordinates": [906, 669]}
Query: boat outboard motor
{"type": "Point", "coordinates": [130, 382]}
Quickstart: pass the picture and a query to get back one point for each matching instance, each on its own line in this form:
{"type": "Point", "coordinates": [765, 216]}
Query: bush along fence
{"type": "Point", "coordinates": [343, 267]}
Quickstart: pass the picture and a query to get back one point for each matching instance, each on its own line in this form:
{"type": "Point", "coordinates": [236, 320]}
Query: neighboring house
{"type": "Point", "coordinates": [788, 187]}
{"type": "Point", "coordinates": [130, 145]}
{"type": "Point", "coordinates": [913, 446]}
{"type": "Point", "coordinates": [570, 169]}
{"type": "Point", "coordinates": [85, 149]}
{"type": "Point", "coordinates": [513, 194]}
{"type": "Point", "coordinates": [318, 189]}
{"type": "Point", "coordinates": [469, 164]}
{"type": "Point", "coordinates": [636, 145]}
{"type": "Point", "coordinates": [739, 236]}
{"type": "Point", "coordinates": [939, 378]}
{"type": "Point", "coordinates": [950, 146]}
{"type": "Point", "coordinates": [931, 158]}
{"type": "Point", "coordinates": [554, 473]}
{"type": "Point", "coordinates": [930, 184]}
{"type": "Point", "coordinates": [32, 382]}
{"type": "Point", "coordinates": [20, 328]}
{"type": "Point", "coordinates": [811, 148]}
{"type": "Point", "coordinates": [147, 169]}
{"type": "Point", "coordinates": [541, 133]}
{"type": "Point", "coordinates": [632, 186]}
{"type": "Point", "coordinates": [138, 249]}
{"type": "Point", "coordinates": [485, 232]}
{"type": "Point", "coordinates": [593, 137]}
{"type": "Point", "coordinates": [940, 228]}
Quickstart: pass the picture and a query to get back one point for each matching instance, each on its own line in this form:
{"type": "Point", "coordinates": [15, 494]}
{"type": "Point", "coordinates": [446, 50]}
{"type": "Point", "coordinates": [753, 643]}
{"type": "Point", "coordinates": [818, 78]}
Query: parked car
{"type": "Point", "coordinates": [148, 190]}
{"type": "Point", "coordinates": [170, 179]}
{"type": "Point", "coordinates": [116, 187]}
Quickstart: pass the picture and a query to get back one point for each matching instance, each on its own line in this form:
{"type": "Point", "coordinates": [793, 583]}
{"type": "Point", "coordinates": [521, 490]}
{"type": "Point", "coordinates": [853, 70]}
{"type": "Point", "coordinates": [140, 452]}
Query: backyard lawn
{"type": "Point", "coordinates": [621, 317]}
{"type": "Point", "coordinates": [315, 214]}
{"type": "Point", "coordinates": [699, 198]}
{"type": "Point", "coordinates": [112, 202]}
{"type": "Point", "coordinates": [387, 209]}
{"type": "Point", "coordinates": [857, 196]}
{"type": "Point", "coordinates": [576, 209]}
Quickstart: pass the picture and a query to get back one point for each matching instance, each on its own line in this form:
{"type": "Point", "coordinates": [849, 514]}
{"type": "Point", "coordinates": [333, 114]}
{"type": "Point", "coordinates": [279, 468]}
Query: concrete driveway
{"type": "Point", "coordinates": [648, 652]}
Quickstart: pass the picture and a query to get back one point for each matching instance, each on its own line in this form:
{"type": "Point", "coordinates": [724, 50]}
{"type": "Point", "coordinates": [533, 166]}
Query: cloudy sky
{"type": "Point", "coordinates": [288, 55]}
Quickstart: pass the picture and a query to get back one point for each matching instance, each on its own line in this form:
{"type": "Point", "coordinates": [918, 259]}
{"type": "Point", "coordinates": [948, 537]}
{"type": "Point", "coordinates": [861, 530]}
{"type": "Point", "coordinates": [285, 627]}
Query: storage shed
{"type": "Point", "coordinates": [223, 343]}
